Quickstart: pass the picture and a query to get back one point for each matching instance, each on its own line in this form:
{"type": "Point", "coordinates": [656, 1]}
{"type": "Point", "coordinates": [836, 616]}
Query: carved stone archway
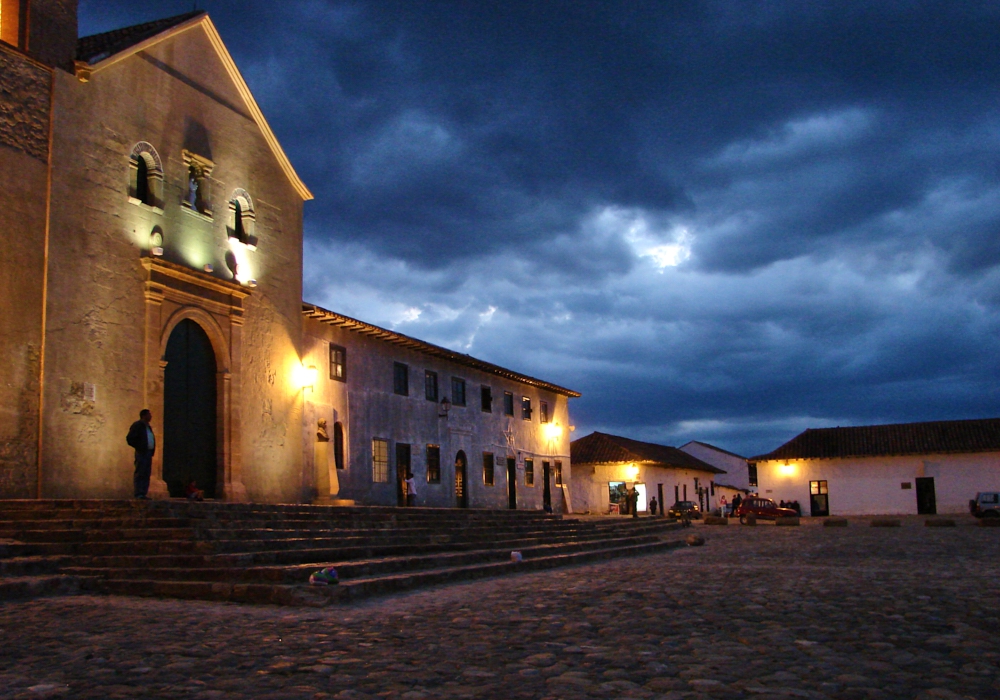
{"type": "Point", "coordinates": [174, 293]}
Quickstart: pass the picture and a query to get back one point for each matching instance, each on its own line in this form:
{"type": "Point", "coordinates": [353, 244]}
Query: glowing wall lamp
{"type": "Point", "coordinates": [553, 431]}
{"type": "Point", "coordinates": [306, 377]}
{"type": "Point", "coordinates": [632, 472]}
{"type": "Point", "coordinates": [787, 469]}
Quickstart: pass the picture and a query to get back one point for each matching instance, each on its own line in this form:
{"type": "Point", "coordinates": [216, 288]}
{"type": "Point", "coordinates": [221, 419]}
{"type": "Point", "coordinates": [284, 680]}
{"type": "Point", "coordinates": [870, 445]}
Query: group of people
{"type": "Point", "coordinates": [727, 508]}
{"type": "Point", "coordinates": [794, 505]}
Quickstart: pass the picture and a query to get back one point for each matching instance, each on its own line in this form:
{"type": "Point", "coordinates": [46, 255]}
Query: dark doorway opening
{"type": "Point", "coordinates": [190, 450]}
{"type": "Point", "coordinates": [662, 503]}
{"type": "Point", "coordinates": [511, 483]}
{"type": "Point", "coordinates": [546, 488]}
{"type": "Point", "coordinates": [926, 500]}
{"type": "Point", "coordinates": [819, 499]}
{"type": "Point", "coordinates": [461, 480]}
{"type": "Point", "coordinates": [402, 471]}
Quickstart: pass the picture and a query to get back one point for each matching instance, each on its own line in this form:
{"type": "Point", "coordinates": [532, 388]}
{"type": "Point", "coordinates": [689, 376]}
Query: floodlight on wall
{"type": "Point", "coordinates": [553, 431]}
{"type": "Point", "coordinates": [156, 244]}
{"type": "Point", "coordinates": [632, 471]}
{"type": "Point", "coordinates": [306, 377]}
{"type": "Point", "coordinates": [208, 267]}
{"type": "Point", "coordinates": [252, 284]}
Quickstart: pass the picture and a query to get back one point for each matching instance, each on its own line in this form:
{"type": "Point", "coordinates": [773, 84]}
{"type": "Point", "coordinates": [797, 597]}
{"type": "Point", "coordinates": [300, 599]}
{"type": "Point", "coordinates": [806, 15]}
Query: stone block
{"type": "Point", "coordinates": [835, 522]}
{"type": "Point", "coordinates": [694, 540]}
{"type": "Point", "coordinates": [788, 520]}
{"type": "Point", "coordinates": [886, 522]}
{"type": "Point", "coordinates": [716, 520]}
{"type": "Point", "coordinates": [939, 522]}
{"type": "Point", "coordinates": [989, 522]}
{"type": "Point", "coordinates": [749, 519]}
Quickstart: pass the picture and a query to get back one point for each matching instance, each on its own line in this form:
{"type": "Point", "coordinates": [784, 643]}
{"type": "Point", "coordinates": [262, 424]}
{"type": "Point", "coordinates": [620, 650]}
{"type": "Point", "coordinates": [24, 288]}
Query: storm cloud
{"type": "Point", "coordinates": [718, 221]}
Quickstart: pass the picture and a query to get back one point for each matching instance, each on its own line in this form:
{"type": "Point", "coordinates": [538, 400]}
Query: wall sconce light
{"type": "Point", "coordinates": [632, 471]}
{"type": "Point", "coordinates": [445, 407]}
{"type": "Point", "coordinates": [252, 284]}
{"type": "Point", "coordinates": [553, 431]}
{"type": "Point", "coordinates": [307, 377]}
{"type": "Point", "coordinates": [208, 267]}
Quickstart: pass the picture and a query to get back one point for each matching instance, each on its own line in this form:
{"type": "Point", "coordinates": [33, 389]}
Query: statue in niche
{"type": "Point", "coordinates": [321, 432]}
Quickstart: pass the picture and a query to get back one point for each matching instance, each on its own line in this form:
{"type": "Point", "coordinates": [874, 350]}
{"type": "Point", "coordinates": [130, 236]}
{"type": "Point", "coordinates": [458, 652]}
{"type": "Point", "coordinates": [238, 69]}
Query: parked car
{"type": "Point", "coordinates": [986, 504]}
{"type": "Point", "coordinates": [681, 509]}
{"type": "Point", "coordinates": [763, 508]}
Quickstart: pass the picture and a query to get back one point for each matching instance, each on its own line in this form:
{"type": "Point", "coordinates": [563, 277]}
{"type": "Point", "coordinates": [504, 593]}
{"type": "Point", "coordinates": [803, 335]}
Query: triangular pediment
{"type": "Point", "coordinates": [101, 51]}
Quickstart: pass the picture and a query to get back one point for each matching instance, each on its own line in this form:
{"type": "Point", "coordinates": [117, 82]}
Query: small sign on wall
{"type": "Point", "coordinates": [906, 485]}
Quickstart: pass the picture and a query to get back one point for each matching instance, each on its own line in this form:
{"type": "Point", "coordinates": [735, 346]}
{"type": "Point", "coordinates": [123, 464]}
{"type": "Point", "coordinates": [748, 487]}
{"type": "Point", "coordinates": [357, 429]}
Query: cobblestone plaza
{"type": "Point", "coordinates": [796, 612]}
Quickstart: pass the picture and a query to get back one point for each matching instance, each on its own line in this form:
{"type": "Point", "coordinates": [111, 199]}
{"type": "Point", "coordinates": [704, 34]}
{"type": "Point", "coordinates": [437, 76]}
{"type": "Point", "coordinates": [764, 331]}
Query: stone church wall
{"type": "Point", "coordinates": [177, 96]}
{"type": "Point", "coordinates": [24, 129]}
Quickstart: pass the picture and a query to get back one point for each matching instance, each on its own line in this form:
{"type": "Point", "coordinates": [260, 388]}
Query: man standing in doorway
{"type": "Point", "coordinates": [140, 438]}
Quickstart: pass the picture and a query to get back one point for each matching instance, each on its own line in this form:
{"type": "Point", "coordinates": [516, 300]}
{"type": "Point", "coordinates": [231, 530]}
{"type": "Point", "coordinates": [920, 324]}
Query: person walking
{"type": "Point", "coordinates": [652, 505]}
{"type": "Point", "coordinates": [411, 490]}
{"type": "Point", "coordinates": [140, 438]}
{"type": "Point", "coordinates": [722, 506]}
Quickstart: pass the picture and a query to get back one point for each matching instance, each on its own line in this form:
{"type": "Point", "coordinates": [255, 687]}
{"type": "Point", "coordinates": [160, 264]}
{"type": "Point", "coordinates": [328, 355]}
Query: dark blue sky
{"type": "Point", "coordinates": [718, 221]}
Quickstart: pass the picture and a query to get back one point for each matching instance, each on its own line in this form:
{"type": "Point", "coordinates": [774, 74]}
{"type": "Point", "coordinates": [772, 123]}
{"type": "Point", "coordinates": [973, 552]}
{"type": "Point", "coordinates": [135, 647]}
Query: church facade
{"type": "Point", "coordinates": [152, 234]}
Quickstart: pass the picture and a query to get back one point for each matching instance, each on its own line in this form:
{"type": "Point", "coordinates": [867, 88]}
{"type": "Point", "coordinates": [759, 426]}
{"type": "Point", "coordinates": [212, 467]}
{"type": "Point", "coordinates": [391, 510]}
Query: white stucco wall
{"type": "Point", "coordinates": [590, 492]}
{"type": "Point", "coordinates": [734, 465]}
{"type": "Point", "coordinates": [873, 485]}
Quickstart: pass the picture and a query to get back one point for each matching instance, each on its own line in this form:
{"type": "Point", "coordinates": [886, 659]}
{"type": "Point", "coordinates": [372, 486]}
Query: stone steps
{"type": "Point", "coordinates": [318, 596]}
{"type": "Point", "coordinates": [265, 553]}
{"type": "Point", "coordinates": [349, 568]}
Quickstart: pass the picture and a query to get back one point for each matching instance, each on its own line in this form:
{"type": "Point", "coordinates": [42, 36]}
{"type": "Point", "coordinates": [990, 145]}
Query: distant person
{"type": "Point", "coordinates": [723, 505]}
{"type": "Point", "coordinates": [782, 504]}
{"type": "Point", "coordinates": [737, 502]}
{"type": "Point", "coordinates": [192, 492]}
{"type": "Point", "coordinates": [796, 507]}
{"type": "Point", "coordinates": [411, 490]}
{"type": "Point", "coordinates": [652, 505]}
{"type": "Point", "coordinates": [140, 438]}
{"type": "Point", "coordinates": [633, 501]}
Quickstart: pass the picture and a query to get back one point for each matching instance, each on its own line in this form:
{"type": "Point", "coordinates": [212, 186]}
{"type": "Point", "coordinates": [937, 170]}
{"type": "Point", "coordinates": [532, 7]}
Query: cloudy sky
{"type": "Point", "coordinates": [718, 221]}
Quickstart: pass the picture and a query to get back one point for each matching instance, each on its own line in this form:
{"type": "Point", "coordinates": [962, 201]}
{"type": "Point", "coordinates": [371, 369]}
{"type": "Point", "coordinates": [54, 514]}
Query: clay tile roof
{"type": "Point", "coordinates": [601, 448]}
{"type": "Point", "coordinates": [936, 437]}
{"type": "Point", "coordinates": [97, 47]}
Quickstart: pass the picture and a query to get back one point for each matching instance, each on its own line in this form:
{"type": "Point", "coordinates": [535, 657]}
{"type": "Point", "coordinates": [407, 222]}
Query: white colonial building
{"type": "Point", "coordinates": [908, 468]}
{"type": "Point", "coordinates": [606, 466]}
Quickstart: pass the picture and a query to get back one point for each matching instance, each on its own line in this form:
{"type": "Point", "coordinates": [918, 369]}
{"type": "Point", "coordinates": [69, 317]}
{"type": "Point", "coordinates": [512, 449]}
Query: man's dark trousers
{"type": "Point", "coordinates": [143, 469]}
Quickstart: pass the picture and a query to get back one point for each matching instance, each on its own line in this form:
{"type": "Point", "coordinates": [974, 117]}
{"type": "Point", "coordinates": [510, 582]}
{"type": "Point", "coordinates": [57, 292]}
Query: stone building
{"type": "Point", "coordinates": [906, 468]}
{"type": "Point", "coordinates": [152, 233]}
{"type": "Point", "coordinates": [472, 433]}
{"type": "Point", "coordinates": [606, 466]}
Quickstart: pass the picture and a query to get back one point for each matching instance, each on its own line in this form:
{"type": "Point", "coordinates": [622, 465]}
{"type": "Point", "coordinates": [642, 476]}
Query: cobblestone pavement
{"type": "Point", "coordinates": [765, 612]}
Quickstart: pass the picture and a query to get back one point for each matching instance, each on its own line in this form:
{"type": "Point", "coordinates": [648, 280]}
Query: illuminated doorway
{"type": "Point", "coordinates": [461, 480]}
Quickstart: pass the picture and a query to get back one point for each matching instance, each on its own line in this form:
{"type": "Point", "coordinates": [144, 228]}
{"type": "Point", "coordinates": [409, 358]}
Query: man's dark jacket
{"type": "Point", "coordinates": [137, 437]}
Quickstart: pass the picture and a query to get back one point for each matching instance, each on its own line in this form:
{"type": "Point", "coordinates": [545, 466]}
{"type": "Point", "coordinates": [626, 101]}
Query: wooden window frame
{"type": "Point", "coordinates": [431, 380]}
{"type": "Point", "coordinates": [334, 349]}
{"type": "Point", "coordinates": [433, 463]}
{"type": "Point", "coordinates": [400, 379]}
{"type": "Point", "coordinates": [529, 472]}
{"type": "Point", "coordinates": [455, 383]}
{"type": "Point", "coordinates": [380, 468]}
{"type": "Point", "coordinates": [489, 469]}
{"type": "Point", "coordinates": [486, 398]}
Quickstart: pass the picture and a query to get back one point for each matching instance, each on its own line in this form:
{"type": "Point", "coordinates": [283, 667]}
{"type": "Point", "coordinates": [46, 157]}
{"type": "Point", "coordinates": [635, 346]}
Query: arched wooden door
{"type": "Point", "coordinates": [190, 449]}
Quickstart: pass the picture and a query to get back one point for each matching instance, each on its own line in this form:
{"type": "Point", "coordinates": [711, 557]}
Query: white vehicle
{"type": "Point", "coordinates": [986, 504]}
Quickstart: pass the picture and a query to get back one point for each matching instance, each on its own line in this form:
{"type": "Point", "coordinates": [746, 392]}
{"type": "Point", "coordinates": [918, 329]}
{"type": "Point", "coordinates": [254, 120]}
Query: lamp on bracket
{"type": "Point", "coordinates": [445, 407]}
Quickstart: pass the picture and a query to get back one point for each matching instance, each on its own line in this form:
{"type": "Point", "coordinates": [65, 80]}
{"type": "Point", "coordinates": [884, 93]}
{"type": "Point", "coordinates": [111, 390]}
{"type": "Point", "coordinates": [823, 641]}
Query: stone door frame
{"type": "Point", "coordinates": [174, 293]}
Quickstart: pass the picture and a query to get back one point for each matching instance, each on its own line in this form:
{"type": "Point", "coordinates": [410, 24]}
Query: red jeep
{"type": "Point", "coordinates": [763, 508]}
